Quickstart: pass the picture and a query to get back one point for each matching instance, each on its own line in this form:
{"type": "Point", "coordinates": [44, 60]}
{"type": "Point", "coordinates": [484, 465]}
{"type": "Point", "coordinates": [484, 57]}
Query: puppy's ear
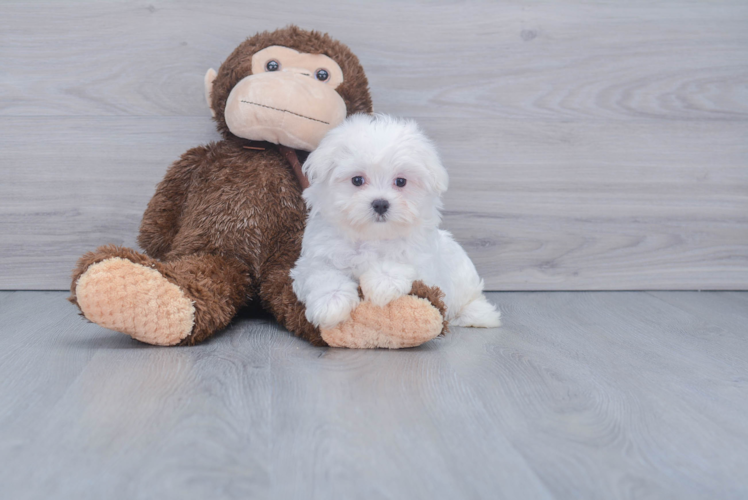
{"type": "Point", "coordinates": [322, 161]}
{"type": "Point", "coordinates": [437, 177]}
{"type": "Point", "coordinates": [336, 143]}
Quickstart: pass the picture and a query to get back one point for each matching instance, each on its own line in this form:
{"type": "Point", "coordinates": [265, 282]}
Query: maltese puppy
{"type": "Point", "coordinates": [374, 200]}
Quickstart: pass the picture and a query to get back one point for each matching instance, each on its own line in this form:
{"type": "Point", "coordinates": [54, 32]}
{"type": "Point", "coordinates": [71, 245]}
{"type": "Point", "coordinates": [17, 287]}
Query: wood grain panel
{"type": "Point", "coordinates": [579, 395]}
{"type": "Point", "coordinates": [597, 206]}
{"type": "Point", "coordinates": [562, 60]}
{"type": "Point", "coordinates": [591, 146]}
{"type": "Point", "coordinates": [85, 183]}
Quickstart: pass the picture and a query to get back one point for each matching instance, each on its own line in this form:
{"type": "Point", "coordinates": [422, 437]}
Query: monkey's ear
{"type": "Point", "coordinates": [209, 77]}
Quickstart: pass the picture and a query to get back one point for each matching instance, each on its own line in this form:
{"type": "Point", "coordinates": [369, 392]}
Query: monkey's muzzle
{"type": "Point", "coordinates": [283, 108]}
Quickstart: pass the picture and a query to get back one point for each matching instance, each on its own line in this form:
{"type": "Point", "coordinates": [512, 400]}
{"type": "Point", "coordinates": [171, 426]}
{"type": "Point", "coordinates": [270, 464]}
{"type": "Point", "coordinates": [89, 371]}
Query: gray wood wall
{"type": "Point", "coordinates": [591, 145]}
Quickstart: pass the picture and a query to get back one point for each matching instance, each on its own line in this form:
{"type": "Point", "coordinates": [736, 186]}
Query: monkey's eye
{"type": "Point", "coordinates": [400, 182]}
{"type": "Point", "coordinates": [272, 65]}
{"type": "Point", "coordinates": [321, 75]}
{"type": "Point", "coordinates": [358, 181]}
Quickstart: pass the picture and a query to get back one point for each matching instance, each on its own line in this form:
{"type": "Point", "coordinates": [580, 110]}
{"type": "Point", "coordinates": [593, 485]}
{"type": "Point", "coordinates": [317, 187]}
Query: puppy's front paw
{"type": "Point", "coordinates": [329, 309]}
{"type": "Point", "coordinates": [381, 288]}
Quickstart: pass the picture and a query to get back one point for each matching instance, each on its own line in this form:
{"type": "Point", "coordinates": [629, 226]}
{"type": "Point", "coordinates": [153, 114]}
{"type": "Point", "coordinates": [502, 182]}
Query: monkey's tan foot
{"type": "Point", "coordinates": [134, 299]}
{"type": "Point", "coordinates": [405, 322]}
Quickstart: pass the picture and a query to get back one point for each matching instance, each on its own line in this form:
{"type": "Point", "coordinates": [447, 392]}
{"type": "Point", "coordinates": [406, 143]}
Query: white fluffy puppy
{"type": "Point", "coordinates": [374, 196]}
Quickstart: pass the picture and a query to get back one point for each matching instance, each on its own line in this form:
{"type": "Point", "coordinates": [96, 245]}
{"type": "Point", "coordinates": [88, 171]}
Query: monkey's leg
{"type": "Point", "coordinates": [408, 321]}
{"type": "Point", "coordinates": [278, 297]}
{"type": "Point", "coordinates": [405, 322]}
{"type": "Point", "coordinates": [179, 302]}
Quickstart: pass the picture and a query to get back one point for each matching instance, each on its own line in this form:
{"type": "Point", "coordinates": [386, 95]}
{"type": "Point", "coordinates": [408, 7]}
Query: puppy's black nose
{"type": "Point", "coordinates": [380, 206]}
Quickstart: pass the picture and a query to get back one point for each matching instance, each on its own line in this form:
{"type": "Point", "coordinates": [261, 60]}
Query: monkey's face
{"type": "Point", "coordinates": [288, 99]}
{"type": "Point", "coordinates": [289, 86]}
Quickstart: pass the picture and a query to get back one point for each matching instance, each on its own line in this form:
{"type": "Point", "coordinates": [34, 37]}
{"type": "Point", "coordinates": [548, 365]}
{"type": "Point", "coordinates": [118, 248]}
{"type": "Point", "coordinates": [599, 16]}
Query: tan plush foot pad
{"type": "Point", "coordinates": [136, 300]}
{"type": "Point", "coordinates": [405, 322]}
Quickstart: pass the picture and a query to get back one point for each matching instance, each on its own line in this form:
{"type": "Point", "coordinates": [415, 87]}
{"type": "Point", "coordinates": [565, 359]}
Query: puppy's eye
{"type": "Point", "coordinates": [272, 65]}
{"type": "Point", "coordinates": [358, 181]}
{"type": "Point", "coordinates": [321, 75]}
{"type": "Point", "coordinates": [400, 182]}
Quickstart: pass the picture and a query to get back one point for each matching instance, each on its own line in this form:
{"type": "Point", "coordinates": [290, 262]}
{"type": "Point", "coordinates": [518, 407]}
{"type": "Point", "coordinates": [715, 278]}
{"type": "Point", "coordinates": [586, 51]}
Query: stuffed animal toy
{"type": "Point", "coordinates": [224, 227]}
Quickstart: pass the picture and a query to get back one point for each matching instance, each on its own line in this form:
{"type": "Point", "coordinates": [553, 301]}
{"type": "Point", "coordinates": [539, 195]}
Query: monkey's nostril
{"type": "Point", "coordinates": [380, 206]}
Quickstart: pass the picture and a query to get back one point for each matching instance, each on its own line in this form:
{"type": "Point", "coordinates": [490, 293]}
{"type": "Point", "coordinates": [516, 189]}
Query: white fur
{"type": "Point", "coordinates": [346, 243]}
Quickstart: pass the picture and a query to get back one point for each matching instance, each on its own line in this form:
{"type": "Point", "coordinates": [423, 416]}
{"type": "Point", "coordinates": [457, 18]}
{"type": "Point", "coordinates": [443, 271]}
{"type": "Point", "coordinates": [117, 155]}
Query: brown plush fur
{"type": "Point", "coordinates": [226, 223]}
{"type": "Point", "coordinates": [435, 296]}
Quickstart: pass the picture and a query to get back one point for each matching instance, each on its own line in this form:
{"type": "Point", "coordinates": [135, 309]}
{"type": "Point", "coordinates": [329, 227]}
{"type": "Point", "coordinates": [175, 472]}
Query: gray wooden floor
{"type": "Point", "coordinates": [579, 395]}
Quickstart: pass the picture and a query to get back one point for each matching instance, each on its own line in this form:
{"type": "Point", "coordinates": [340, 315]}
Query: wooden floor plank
{"type": "Point", "coordinates": [148, 422]}
{"type": "Point", "coordinates": [583, 395]}
{"type": "Point", "coordinates": [335, 441]}
{"type": "Point", "coordinates": [38, 334]}
{"type": "Point", "coordinates": [616, 390]}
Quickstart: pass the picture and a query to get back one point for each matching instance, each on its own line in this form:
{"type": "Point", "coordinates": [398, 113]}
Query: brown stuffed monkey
{"type": "Point", "coordinates": [225, 225]}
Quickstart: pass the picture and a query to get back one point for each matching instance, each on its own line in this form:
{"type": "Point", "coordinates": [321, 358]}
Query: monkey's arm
{"type": "Point", "coordinates": [161, 220]}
